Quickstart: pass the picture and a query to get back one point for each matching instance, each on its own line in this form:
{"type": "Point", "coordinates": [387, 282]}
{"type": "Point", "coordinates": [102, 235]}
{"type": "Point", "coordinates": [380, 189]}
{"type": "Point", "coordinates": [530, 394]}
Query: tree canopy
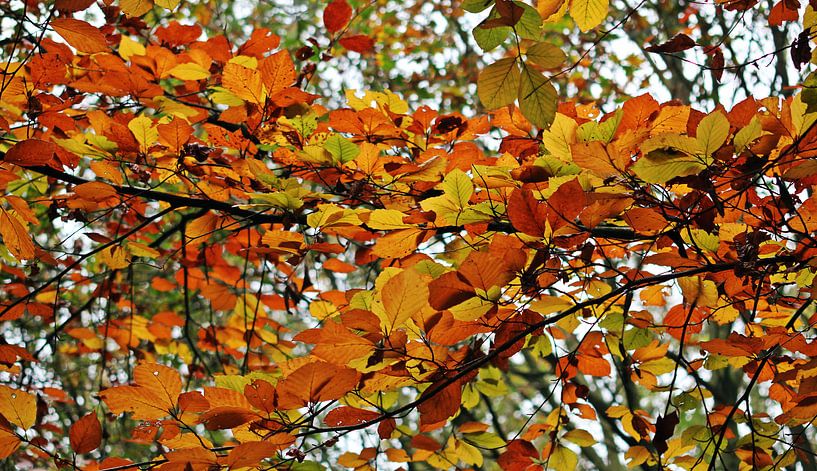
{"type": "Point", "coordinates": [458, 234]}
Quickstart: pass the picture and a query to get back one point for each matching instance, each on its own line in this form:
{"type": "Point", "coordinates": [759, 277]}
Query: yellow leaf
{"type": "Point", "coordinates": [129, 48]}
{"type": "Point", "coordinates": [637, 456]}
{"type": "Point", "coordinates": [498, 83]}
{"type": "Point", "coordinates": [589, 13]}
{"type": "Point", "coordinates": [135, 7]}
{"type": "Point", "coordinates": [18, 407]}
{"type": "Point", "coordinates": [458, 187]}
{"type": "Point", "coordinates": [15, 236]}
{"type": "Point", "coordinates": [144, 131]}
{"type": "Point", "coordinates": [168, 4]}
{"type": "Point", "coordinates": [712, 132]}
{"type": "Point", "coordinates": [142, 250]}
{"type": "Point", "coordinates": [189, 71]}
{"type": "Point", "coordinates": [563, 459]}
{"type": "Point", "coordinates": [580, 437]}
{"type": "Point", "coordinates": [387, 219]}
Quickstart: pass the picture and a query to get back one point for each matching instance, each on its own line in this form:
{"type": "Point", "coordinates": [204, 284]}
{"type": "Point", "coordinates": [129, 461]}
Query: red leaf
{"type": "Point", "coordinates": [782, 13]}
{"type": "Point", "coordinates": [716, 64]}
{"type": "Point", "coordinates": [678, 43]}
{"type": "Point", "coordinates": [438, 406]}
{"type": "Point", "coordinates": [337, 15]}
{"type": "Point", "coordinates": [349, 416]}
{"type": "Point", "coordinates": [85, 434]}
{"type": "Point", "coordinates": [31, 152]}
{"type": "Point", "coordinates": [526, 213]}
{"type": "Point", "coordinates": [359, 43]}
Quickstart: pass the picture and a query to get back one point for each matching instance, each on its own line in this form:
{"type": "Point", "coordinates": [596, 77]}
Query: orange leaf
{"type": "Point", "coordinates": [250, 454]}
{"type": "Point", "coordinates": [95, 191]}
{"type": "Point", "coordinates": [81, 35]}
{"type": "Point", "coordinates": [175, 134]}
{"type": "Point", "coordinates": [140, 402]}
{"type": "Point", "coordinates": [8, 443]}
{"type": "Point", "coordinates": [85, 434]}
{"type": "Point", "coordinates": [15, 236]}
{"type": "Point", "coordinates": [31, 152]}
{"type": "Point", "coordinates": [403, 295]}
{"type": "Point", "coordinates": [162, 381]}
{"type": "Point", "coordinates": [337, 15]}
{"type": "Point", "coordinates": [71, 6]}
{"type": "Point", "coordinates": [277, 72]}
{"type": "Point", "coordinates": [316, 382]}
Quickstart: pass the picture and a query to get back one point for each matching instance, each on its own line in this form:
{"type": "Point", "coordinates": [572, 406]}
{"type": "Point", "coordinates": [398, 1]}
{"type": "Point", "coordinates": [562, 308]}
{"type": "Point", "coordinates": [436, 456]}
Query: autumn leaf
{"type": "Point", "coordinates": [588, 13]}
{"type": "Point", "coordinates": [18, 407]}
{"type": "Point", "coordinates": [31, 152]}
{"type": "Point", "coordinates": [316, 382]}
{"type": "Point", "coordinates": [498, 83]}
{"type": "Point", "coordinates": [81, 35]}
{"type": "Point", "coordinates": [678, 43]}
{"type": "Point", "coordinates": [15, 236]}
{"type": "Point", "coordinates": [136, 7]}
{"type": "Point", "coordinates": [85, 434]}
{"type": "Point", "coordinates": [337, 15]}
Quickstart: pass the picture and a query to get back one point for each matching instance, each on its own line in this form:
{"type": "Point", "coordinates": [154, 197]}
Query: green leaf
{"type": "Point", "coordinates": [546, 55]}
{"type": "Point", "coordinates": [476, 6]}
{"type": "Point", "coordinates": [341, 148]}
{"type": "Point", "coordinates": [537, 98]}
{"type": "Point", "coordinates": [498, 83]}
{"type": "Point", "coordinates": [530, 24]}
{"type": "Point", "coordinates": [488, 39]}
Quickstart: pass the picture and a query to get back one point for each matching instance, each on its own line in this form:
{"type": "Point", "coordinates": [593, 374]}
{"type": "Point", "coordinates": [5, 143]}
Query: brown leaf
{"type": "Point", "coordinates": [225, 417]}
{"type": "Point", "coordinates": [678, 43]}
{"type": "Point", "coordinates": [664, 428]}
{"type": "Point", "coordinates": [85, 434]}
